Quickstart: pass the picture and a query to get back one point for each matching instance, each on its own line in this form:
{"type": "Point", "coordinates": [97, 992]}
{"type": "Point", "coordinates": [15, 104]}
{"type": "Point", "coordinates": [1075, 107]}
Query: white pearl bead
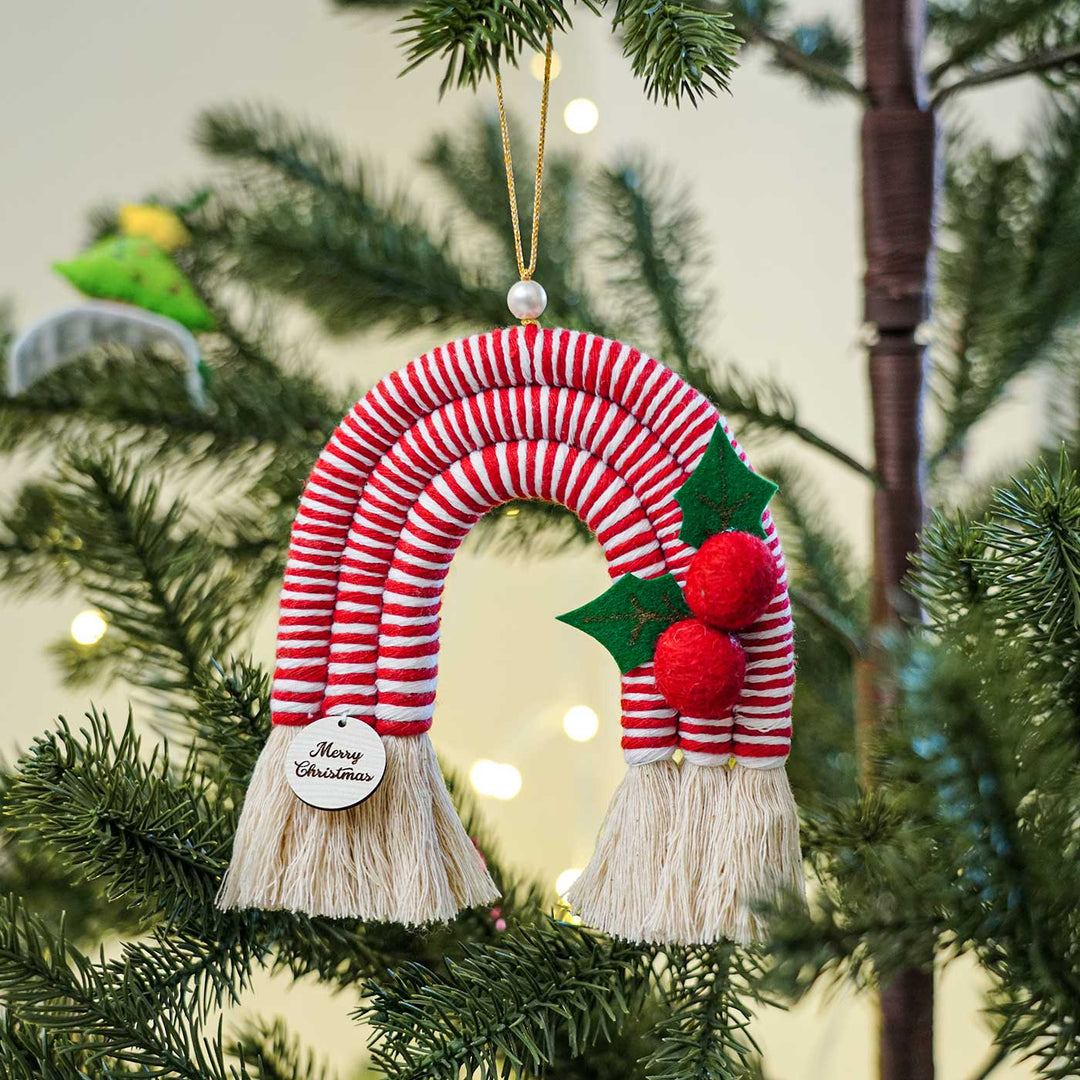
{"type": "Point", "coordinates": [526, 300]}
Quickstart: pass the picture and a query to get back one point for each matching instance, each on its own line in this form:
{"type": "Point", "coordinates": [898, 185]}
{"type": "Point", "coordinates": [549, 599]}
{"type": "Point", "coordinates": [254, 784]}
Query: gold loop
{"type": "Point", "coordinates": [525, 271]}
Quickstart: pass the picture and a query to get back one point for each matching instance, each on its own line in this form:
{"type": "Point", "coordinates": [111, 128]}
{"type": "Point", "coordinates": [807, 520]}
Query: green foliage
{"type": "Point", "coordinates": [470, 167]}
{"type": "Point", "coordinates": [1009, 279]}
{"type": "Point", "coordinates": [680, 51]}
{"type": "Point", "coordinates": [981, 33]}
{"type": "Point", "coordinates": [705, 1035]}
{"type": "Point", "coordinates": [501, 1007]}
{"type": "Point", "coordinates": [968, 843]}
{"type": "Point", "coordinates": [100, 1009]}
{"type": "Point", "coordinates": [818, 51]}
{"type": "Point", "coordinates": [170, 599]}
{"type": "Point", "coordinates": [319, 235]}
{"type": "Point", "coordinates": [273, 1053]}
{"type": "Point", "coordinates": [649, 237]}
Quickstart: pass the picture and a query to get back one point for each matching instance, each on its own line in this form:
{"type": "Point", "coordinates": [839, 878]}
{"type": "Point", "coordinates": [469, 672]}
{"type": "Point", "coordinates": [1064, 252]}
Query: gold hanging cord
{"type": "Point", "coordinates": [526, 271]}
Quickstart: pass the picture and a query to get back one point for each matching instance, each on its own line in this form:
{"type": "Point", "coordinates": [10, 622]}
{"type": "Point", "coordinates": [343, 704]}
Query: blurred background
{"type": "Point", "coordinates": [99, 103]}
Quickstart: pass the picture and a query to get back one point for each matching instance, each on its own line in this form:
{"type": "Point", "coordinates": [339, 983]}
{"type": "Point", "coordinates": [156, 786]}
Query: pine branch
{"type": "Point", "coordinates": [822, 562]}
{"type": "Point", "coordinates": [139, 826]}
{"type": "Point", "coordinates": [28, 1052]}
{"type": "Point", "coordinates": [763, 405]}
{"type": "Point", "coordinates": [272, 145]}
{"type": "Point", "coordinates": [160, 836]}
{"type": "Point", "coordinates": [170, 603]}
{"type": "Point", "coordinates": [817, 53]}
{"type": "Point", "coordinates": [999, 791]}
{"type": "Point", "coordinates": [306, 223]}
{"type": "Point", "coordinates": [274, 1053]}
{"type": "Point", "coordinates": [1014, 297]}
{"type": "Point", "coordinates": [976, 31]}
{"type": "Point", "coordinates": [1056, 59]}
{"type": "Point", "coordinates": [991, 718]}
{"type": "Point", "coordinates": [879, 885]}
{"type": "Point", "coordinates": [47, 981]}
{"type": "Point", "coordinates": [140, 403]}
{"type": "Point", "coordinates": [680, 51]}
{"type": "Point", "coordinates": [1032, 567]}
{"type": "Point", "coordinates": [352, 273]}
{"type": "Point", "coordinates": [500, 1009]}
{"type": "Point", "coordinates": [474, 37]}
{"type": "Point", "coordinates": [973, 270]}
{"type": "Point", "coordinates": [1019, 566]}
{"type": "Point", "coordinates": [650, 242]}
{"type": "Point", "coordinates": [705, 1036]}
{"type": "Point", "coordinates": [231, 723]}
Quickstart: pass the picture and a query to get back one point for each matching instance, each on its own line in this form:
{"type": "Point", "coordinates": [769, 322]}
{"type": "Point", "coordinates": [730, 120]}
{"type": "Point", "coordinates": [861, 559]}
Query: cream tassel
{"type": "Point", "coordinates": [400, 856]}
{"type": "Point", "coordinates": [765, 861]}
{"type": "Point", "coordinates": [615, 892]}
{"type": "Point", "coordinates": [695, 900]}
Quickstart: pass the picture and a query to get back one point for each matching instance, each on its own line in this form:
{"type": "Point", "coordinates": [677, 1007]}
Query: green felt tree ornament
{"type": "Point", "coordinates": [629, 618]}
{"type": "Point", "coordinates": [721, 494]}
{"type": "Point", "coordinates": [137, 271]}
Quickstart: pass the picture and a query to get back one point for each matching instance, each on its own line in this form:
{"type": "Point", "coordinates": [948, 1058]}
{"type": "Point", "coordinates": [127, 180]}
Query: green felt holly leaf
{"type": "Point", "coordinates": [136, 270]}
{"type": "Point", "coordinates": [630, 617]}
{"type": "Point", "coordinates": [721, 494]}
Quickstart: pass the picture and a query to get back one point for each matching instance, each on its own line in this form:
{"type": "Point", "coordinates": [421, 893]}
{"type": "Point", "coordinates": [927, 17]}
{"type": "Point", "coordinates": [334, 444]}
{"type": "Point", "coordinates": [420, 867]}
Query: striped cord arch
{"type": "Point", "coordinates": [557, 415]}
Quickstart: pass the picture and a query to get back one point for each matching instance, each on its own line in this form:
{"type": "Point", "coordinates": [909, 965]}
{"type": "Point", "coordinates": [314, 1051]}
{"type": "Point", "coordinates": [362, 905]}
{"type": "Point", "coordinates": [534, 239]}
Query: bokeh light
{"type": "Point", "coordinates": [495, 779]}
{"type": "Point", "coordinates": [581, 723]}
{"type": "Point", "coordinates": [581, 115]}
{"type": "Point", "coordinates": [565, 880]}
{"type": "Point", "coordinates": [88, 627]}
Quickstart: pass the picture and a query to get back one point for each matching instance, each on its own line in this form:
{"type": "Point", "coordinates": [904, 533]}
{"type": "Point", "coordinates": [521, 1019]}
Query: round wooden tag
{"type": "Point", "coordinates": [335, 762]}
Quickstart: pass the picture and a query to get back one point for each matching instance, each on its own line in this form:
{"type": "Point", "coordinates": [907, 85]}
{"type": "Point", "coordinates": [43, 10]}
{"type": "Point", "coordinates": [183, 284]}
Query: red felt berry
{"type": "Point", "coordinates": [699, 670]}
{"type": "Point", "coordinates": [731, 580]}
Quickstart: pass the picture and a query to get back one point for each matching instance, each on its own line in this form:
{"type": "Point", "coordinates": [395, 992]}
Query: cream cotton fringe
{"type": "Point", "coordinates": [401, 856]}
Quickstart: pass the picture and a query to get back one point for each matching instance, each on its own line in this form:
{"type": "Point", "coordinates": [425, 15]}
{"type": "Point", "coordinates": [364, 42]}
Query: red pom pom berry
{"type": "Point", "coordinates": [731, 580]}
{"type": "Point", "coordinates": [699, 670]}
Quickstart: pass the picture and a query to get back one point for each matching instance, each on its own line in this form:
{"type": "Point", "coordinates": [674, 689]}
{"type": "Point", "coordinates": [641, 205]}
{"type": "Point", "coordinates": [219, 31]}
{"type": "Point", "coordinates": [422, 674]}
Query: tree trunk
{"type": "Point", "coordinates": [898, 183]}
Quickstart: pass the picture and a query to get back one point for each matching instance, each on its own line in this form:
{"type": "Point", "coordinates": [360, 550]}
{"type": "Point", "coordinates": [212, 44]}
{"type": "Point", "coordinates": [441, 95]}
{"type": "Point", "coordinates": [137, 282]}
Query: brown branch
{"type": "Point", "coordinates": [1027, 66]}
{"type": "Point", "coordinates": [793, 58]}
{"type": "Point", "coordinates": [788, 54]}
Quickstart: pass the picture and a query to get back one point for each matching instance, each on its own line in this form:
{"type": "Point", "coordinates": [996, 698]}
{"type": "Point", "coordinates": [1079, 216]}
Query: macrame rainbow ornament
{"type": "Point", "coordinates": [697, 619]}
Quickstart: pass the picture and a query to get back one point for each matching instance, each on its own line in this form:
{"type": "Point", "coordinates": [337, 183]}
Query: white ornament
{"type": "Point", "coordinates": [526, 299]}
{"type": "Point", "coordinates": [335, 762]}
{"type": "Point", "coordinates": [72, 331]}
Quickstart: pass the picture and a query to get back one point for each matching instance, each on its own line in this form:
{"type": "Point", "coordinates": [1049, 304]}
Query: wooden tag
{"type": "Point", "coordinates": [335, 762]}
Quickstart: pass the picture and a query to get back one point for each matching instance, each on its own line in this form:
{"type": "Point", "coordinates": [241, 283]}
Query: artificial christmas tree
{"type": "Point", "coordinates": [962, 838]}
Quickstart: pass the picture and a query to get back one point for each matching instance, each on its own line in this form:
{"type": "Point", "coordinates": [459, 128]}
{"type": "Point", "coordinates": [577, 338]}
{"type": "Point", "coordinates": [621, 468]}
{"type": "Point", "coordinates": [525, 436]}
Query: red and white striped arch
{"type": "Point", "coordinates": [557, 415]}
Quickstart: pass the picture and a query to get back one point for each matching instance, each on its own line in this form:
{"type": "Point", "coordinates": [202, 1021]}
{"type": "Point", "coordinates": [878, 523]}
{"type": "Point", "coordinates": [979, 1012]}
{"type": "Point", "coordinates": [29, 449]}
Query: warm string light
{"type": "Point", "coordinates": [496, 779]}
{"type": "Point", "coordinates": [581, 116]}
{"type": "Point", "coordinates": [536, 66]}
{"type": "Point", "coordinates": [88, 627]}
{"type": "Point", "coordinates": [581, 723]}
{"type": "Point", "coordinates": [565, 880]}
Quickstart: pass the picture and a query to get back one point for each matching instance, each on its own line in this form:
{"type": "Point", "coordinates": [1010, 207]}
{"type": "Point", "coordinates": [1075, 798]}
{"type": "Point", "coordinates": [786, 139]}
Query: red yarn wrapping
{"type": "Point", "coordinates": [699, 670]}
{"type": "Point", "coordinates": [731, 580]}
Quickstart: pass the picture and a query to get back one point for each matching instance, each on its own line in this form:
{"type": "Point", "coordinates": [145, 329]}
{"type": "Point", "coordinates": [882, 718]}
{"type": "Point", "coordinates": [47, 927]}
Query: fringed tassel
{"type": "Point", "coordinates": [694, 903]}
{"type": "Point", "coordinates": [616, 891]}
{"type": "Point", "coordinates": [765, 860]}
{"type": "Point", "coordinates": [735, 845]}
{"type": "Point", "coordinates": [400, 856]}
